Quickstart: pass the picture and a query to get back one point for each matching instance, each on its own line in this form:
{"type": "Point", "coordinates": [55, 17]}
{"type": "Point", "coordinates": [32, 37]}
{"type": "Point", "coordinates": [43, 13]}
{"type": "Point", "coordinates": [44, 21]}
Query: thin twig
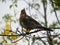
{"type": "Point", "coordinates": [18, 40]}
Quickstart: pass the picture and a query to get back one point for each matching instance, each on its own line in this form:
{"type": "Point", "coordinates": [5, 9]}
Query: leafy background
{"type": "Point", "coordinates": [9, 21]}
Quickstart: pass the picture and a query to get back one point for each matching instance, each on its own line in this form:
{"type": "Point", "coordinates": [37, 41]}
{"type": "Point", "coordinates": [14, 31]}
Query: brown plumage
{"type": "Point", "coordinates": [29, 23]}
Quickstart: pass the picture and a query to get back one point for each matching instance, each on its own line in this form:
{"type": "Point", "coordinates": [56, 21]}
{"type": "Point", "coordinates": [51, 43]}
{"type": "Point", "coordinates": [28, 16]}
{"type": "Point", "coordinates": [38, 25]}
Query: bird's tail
{"type": "Point", "coordinates": [44, 28]}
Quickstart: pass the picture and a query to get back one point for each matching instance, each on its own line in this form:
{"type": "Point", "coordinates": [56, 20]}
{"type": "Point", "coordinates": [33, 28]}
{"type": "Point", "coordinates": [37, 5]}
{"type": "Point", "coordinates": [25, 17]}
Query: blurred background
{"type": "Point", "coordinates": [46, 12]}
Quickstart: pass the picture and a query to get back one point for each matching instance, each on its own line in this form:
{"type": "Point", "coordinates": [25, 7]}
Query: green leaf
{"type": "Point", "coordinates": [3, 0]}
{"type": "Point", "coordinates": [57, 4]}
{"type": "Point", "coordinates": [43, 23]}
{"type": "Point", "coordinates": [54, 24]}
{"type": "Point", "coordinates": [15, 5]}
{"type": "Point", "coordinates": [55, 41]}
{"type": "Point", "coordinates": [7, 17]}
{"type": "Point", "coordinates": [10, 6]}
{"type": "Point", "coordinates": [1, 44]}
{"type": "Point", "coordinates": [15, 1]}
{"type": "Point", "coordinates": [14, 21]}
{"type": "Point", "coordinates": [36, 6]}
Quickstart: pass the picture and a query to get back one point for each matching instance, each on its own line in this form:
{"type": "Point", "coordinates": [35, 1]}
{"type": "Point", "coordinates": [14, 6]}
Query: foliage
{"type": "Point", "coordinates": [35, 5]}
{"type": "Point", "coordinates": [7, 18]}
{"type": "Point", "coordinates": [53, 25]}
{"type": "Point", "coordinates": [57, 4]}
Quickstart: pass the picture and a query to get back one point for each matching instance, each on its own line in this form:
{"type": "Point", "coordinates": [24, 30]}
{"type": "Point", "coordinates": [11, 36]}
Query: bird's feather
{"type": "Point", "coordinates": [29, 23]}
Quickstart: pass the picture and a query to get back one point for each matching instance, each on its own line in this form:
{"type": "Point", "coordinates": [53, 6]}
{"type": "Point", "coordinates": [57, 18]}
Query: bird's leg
{"type": "Point", "coordinates": [22, 29]}
{"type": "Point", "coordinates": [17, 30]}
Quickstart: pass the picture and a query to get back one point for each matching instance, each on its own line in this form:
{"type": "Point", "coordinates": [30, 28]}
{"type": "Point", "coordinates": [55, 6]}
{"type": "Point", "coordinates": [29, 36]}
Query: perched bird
{"type": "Point", "coordinates": [29, 23]}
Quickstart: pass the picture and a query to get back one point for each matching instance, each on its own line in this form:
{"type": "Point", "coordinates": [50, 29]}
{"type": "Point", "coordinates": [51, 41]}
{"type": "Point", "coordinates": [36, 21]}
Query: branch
{"type": "Point", "coordinates": [23, 34]}
{"type": "Point", "coordinates": [55, 11]}
{"type": "Point", "coordinates": [55, 28]}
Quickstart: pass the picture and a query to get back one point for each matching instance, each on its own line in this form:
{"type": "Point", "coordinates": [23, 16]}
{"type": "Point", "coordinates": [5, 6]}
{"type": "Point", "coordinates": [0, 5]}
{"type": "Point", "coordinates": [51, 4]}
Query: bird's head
{"type": "Point", "coordinates": [23, 11]}
{"type": "Point", "coordinates": [22, 15]}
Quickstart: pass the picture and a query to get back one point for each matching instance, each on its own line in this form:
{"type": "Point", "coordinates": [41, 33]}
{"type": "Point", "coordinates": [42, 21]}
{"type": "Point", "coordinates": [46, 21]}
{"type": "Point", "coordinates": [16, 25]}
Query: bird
{"type": "Point", "coordinates": [29, 23]}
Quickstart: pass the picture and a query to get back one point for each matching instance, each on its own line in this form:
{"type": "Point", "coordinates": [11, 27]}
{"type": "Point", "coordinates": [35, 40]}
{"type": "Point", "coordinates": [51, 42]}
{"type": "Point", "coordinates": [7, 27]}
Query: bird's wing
{"type": "Point", "coordinates": [31, 22]}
